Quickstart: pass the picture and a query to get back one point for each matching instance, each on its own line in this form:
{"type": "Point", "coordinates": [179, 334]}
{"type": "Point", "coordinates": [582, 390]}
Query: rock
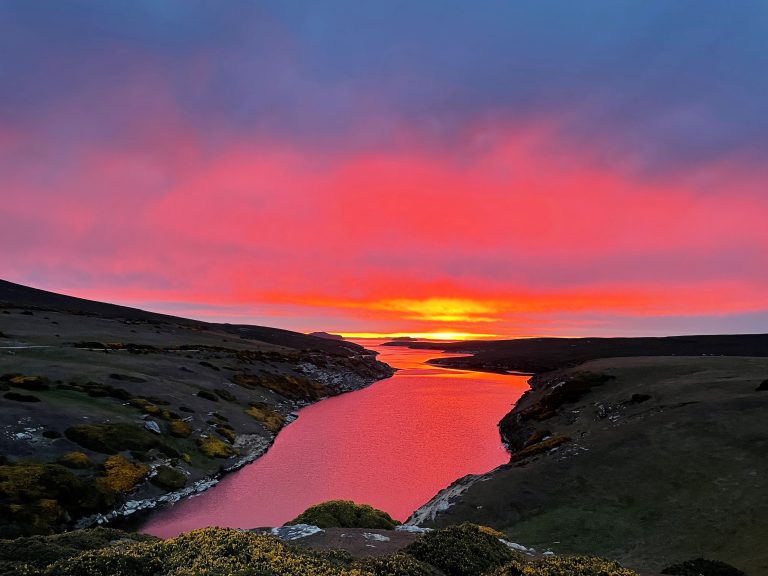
{"type": "Point", "coordinates": [376, 537]}
{"type": "Point", "coordinates": [152, 426]}
{"type": "Point", "coordinates": [412, 529]}
{"type": "Point", "coordinates": [296, 531]}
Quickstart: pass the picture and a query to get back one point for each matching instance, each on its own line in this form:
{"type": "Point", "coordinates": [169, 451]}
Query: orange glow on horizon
{"type": "Point", "coordinates": [419, 335]}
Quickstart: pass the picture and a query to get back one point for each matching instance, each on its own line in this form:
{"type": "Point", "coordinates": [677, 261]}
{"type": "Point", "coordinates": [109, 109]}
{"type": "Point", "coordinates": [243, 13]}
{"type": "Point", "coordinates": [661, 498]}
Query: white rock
{"type": "Point", "coordinates": [377, 537]}
{"type": "Point", "coordinates": [296, 531]}
{"type": "Point", "coordinates": [412, 529]}
{"type": "Point", "coordinates": [152, 426]}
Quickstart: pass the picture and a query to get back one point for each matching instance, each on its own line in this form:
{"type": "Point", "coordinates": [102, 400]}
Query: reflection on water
{"type": "Point", "coordinates": [392, 445]}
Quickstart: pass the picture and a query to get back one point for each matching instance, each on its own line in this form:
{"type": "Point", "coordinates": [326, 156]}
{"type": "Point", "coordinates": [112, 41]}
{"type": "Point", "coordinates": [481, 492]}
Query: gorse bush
{"type": "Point", "coordinates": [75, 460]}
{"type": "Point", "coordinates": [36, 498]}
{"type": "Point", "coordinates": [454, 551]}
{"type": "Point", "coordinates": [121, 475]}
{"type": "Point", "coordinates": [218, 552]}
{"type": "Point", "coordinates": [345, 514]}
{"type": "Point", "coordinates": [215, 448]}
{"type": "Point", "coordinates": [462, 550]}
{"type": "Point", "coordinates": [563, 566]}
{"type": "Point", "coordinates": [395, 565]}
{"type": "Point", "coordinates": [271, 420]}
{"type": "Point", "coordinates": [35, 553]}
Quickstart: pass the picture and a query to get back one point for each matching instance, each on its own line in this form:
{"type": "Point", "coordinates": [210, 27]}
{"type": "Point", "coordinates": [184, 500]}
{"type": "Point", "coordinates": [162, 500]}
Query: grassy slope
{"type": "Point", "coordinates": [234, 367]}
{"type": "Point", "coordinates": [678, 475]}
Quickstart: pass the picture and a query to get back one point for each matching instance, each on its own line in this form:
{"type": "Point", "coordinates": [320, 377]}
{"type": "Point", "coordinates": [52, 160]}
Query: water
{"type": "Point", "coordinates": [393, 445]}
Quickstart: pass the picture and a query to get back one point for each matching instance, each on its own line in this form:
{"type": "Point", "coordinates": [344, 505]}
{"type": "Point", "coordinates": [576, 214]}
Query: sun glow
{"type": "Point", "coordinates": [440, 309]}
{"type": "Point", "coordinates": [420, 335]}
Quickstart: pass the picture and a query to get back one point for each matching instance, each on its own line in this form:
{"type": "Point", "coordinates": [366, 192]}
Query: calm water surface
{"type": "Point", "coordinates": [392, 445]}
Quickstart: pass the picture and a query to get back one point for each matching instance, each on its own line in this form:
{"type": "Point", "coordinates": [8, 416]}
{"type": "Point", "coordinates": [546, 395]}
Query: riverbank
{"type": "Point", "coordinates": [377, 446]}
{"type": "Point", "coordinates": [649, 461]}
{"type": "Point", "coordinates": [109, 410]}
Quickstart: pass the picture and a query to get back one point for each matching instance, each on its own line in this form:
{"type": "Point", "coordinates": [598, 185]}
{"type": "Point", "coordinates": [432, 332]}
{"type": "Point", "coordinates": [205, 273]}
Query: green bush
{"type": "Point", "coordinates": [344, 514]}
{"type": "Point", "coordinates": [462, 550]}
{"type": "Point", "coordinates": [121, 475]}
{"type": "Point", "coordinates": [169, 478]}
{"type": "Point", "coordinates": [114, 438]}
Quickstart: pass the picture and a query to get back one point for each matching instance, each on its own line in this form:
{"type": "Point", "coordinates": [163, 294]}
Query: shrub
{"type": "Point", "coordinates": [207, 395]}
{"type": "Point", "coordinates": [344, 514]}
{"type": "Point", "coordinates": [394, 565]}
{"type": "Point", "coordinates": [461, 550]}
{"type": "Point", "coordinates": [539, 448]}
{"type": "Point", "coordinates": [215, 448]}
{"type": "Point", "coordinates": [225, 394]}
{"type": "Point", "coordinates": [702, 567]}
{"type": "Point", "coordinates": [37, 552]}
{"type": "Point", "coordinates": [291, 387]}
{"type": "Point", "coordinates": [271, 419]}
{"type": "Point", "coordinates": [169, 478]}
{"type": "Point", "coordinates": [20, 397]}
{"type": "Point", "coordinates": [140, 559]}
{"type": "Point", "coordinates": [34, 383]}
{"type": "Point", "coordinates": [227, 432]}
{"type": "Point", "coordinates": [76, 460]}
{"type": "Point", "coordinates": [121, 475]}
{"type": "Point", "coordinates": [179, 429]}
{"type": "Point", "coordinates": [563, 566]}
{"type": "Point", "coordinates": [114, 438]}
{"type": "Point", "coordinates": [35, 496]}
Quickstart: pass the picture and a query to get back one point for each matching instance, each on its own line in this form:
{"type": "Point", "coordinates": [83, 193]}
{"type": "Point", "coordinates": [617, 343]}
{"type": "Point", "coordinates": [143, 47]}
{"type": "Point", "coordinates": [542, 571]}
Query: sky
{"type": "Point", "coordinates": [491, 168]}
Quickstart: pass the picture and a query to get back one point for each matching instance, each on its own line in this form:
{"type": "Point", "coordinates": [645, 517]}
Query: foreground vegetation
{"type": "Point", "coordinates": [465, 550]}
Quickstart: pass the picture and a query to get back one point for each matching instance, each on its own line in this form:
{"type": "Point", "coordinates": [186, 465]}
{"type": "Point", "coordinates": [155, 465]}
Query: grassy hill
{"type": "Point", "coordinates": [111, 408]}
{"type": "Point", "coordinates": [648, 460]}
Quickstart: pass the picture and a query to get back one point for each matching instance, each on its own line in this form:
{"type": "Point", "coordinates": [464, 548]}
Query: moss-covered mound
{"type": "Point", "coordinates": [169, 478]}
{"type": "Point", "coordinates": [113, 438]}
{"type": "Point", "coordinates": [563, 566]}
{"type": "Point", "coordinates": [345, 514]}
{"type": "Point", "coordinates": [462, 550]}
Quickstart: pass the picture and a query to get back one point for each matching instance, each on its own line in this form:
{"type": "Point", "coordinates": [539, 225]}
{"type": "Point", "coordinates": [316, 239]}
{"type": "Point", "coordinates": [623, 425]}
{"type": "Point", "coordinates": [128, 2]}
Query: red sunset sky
{"type": "Point", "coordinates": [510, 169]}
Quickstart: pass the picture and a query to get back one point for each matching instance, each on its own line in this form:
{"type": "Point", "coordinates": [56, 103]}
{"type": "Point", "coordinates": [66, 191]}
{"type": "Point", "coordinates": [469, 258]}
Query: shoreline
{"type": "Point", "coordinates": [133, 513]}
